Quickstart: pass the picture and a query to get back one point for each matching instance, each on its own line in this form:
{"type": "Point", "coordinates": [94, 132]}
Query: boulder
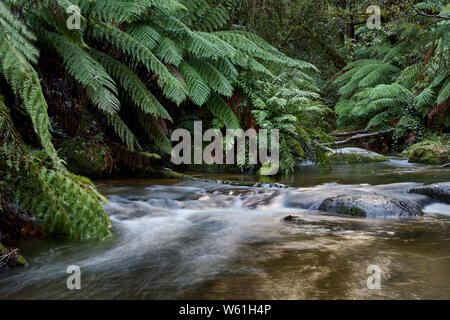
{"type": "Point", "coordinates": [355, 155]}
{"type": "Point", "coordinates": [373, 206]}
{"type": "Point", "coordinates": [440, 191]}
{"type": "Point", "coordinates": [428, 152]}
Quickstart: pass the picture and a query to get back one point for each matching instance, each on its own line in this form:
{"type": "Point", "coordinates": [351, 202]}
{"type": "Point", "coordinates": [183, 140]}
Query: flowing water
{"type": "Point", "coordinates": [198, 240]}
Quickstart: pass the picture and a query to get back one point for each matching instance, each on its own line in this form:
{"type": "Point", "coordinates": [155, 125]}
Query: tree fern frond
{"type": "Point", "coordinates": [199, 90]}
{"type": "Point", "coordinates": [444, 93]}
{"type": "Point", "coordinates": [135, 88]}
{"type": "Point", "coordinates": [173, 89]}
{"type": "Point", "coordinates": [122, 130]}
{"type": "Point", "coordinates": [25, 82]}
{"type": "Point", "coordinates": [100, 87]}
{"type": "Point", "coordinates": [222, 111]}
{"type": "Point", "coordinates": [18, 34]}
{"type": "Point", "coordinates": [145, 34]}
{"type": "Point", "coordinates": [169, 52]}
{"type": "Point", "coordinates": [216, 80]}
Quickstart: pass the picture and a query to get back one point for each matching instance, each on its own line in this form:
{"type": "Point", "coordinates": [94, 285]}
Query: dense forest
{"type": "Point", "coordinates": [102, 100]}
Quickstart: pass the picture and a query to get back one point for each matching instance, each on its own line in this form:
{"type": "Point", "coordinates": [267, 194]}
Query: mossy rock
{"type": "Point", "coordinates": [355, 155]}
{"type": "Point", "coordinates": [429, 154]}
{"type": "Point", "coordinates": [86, 158]}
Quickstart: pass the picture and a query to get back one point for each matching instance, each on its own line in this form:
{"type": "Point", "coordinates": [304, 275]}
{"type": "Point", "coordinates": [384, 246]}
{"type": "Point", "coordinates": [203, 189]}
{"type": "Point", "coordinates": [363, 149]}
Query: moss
{"type": "Point", "coordinates": [428, 152]}
{"type": "Point", "coordinates": [20, 261]}
{"type": "Point", "coordinates": [83, 157]}
{"type": "Point", "coordinates": [150, 156]}
{"type": "Point", "coordinates": [355, 212]}
{"type": "Point", "coordinates": [169, 173]}
{"type": "Point", "coordinates": [14, 259]}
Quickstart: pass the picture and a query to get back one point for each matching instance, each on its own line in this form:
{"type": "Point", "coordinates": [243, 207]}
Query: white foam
{"type": "Point", "coordinates": [439, 208]}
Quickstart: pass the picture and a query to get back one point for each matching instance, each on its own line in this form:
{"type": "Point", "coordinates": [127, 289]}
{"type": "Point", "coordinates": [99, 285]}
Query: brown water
{"type": "Point", "coordinates": [195, 240]}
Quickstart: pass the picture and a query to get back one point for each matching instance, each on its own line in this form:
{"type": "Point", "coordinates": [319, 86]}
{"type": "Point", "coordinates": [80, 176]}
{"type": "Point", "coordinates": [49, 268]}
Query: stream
{"type": "Point", "coordinates": [196, 240]}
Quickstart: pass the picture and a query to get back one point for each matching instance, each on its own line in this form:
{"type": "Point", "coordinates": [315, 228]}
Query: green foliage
{"type": "Point", "coordinates": [140, 57]}
{"type": "Point", "coordinates": [63, 203]}
{"type": "Point", "coordinates": [290, 104]}
{"type": "Point", "coordinates": [405, 86]}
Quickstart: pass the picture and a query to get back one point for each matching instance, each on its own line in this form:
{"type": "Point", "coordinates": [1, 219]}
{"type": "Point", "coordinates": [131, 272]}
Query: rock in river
{"type": "Point", "coordinates": [355, 155]}
{"type": "Point", "coordinates": [440, 191]}
{"type": "Point", "coordinates": [373, 206]}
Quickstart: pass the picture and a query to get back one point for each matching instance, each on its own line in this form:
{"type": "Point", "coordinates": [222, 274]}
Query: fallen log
{"type": "Point", "coordinates": [446, 165]}
{"type": "Point", "coordinates": [357, 137]}
{"type": "Point", "coordinates": [349, 133]}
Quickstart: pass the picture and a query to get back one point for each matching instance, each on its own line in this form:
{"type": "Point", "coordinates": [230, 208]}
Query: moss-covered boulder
{"type": "Point", "coordinates": [355, 155]}
{"type": "Point", "coordinates": [428, 152]}
{"type": "Point", "coordinates": [87, 158]}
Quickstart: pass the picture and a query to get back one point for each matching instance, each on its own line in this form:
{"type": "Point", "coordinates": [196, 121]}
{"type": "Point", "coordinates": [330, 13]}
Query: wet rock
{"type": "Point", "coordinates": [355, 155]}
{"type": "Point", "coordinates": [290, 218]}
{"type": "Point", "coordinates": [269, 185]}
{"type": "Point", "coordinates": [440, 191]}
{"type": "Point", "coordinates": [373, 206]}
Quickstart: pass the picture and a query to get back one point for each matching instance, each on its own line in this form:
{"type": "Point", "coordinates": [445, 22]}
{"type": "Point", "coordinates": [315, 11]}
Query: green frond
{"type": "Point", "coordinates": [216, 80]}
{"type": "Point", "coordinates": [24, 81]}
{"type": "Point", "coordinates": [117, 11]}
{"type": "Point", "coordinates": [222, 111]}
{"type": "Point", "coordinates": [173, 89]}
{"type": "Point", "coordinates": [134, 87]}
{"type": "Point", "coordinates": [19, 36]}
{"type": "Point", "coordinates": [100, 87]}
{"type": "Point", "coordinates": [145, 34]}
{"type": "Point", "coordinates": [169, 52]}
{"type": "Point", "coordinates": [199, 90]}
{"type": "Point", "coordinates": [444, 93]}
{"type": "Point", "coordinates": [122, 130]}
{"type": "Point", "coordinates": [62, 204]}
{"type": "Point", "coordinates": [424, 99]}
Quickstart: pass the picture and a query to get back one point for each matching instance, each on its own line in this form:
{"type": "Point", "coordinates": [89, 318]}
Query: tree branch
{"type": "Point", "coordinates": [420, 13]}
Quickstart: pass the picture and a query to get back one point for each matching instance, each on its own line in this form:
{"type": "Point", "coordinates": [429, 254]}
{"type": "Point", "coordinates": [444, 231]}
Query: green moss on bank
{"type": "Point", "coordinates": [434, 151]}
{"type": "Point", "coordinates": [86, 158]}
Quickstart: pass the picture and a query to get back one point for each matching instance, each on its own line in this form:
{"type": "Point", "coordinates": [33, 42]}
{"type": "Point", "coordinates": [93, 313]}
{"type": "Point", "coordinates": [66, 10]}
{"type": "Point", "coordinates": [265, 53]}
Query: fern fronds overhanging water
{"type": "Point", "coordinates": [129, 56]}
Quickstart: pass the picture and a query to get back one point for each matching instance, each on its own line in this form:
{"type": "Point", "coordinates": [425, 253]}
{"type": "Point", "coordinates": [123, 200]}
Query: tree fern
{"type": "Point", "coordinates": [25, 82]}
{"type": "Point", "coordinates": [61, 203]}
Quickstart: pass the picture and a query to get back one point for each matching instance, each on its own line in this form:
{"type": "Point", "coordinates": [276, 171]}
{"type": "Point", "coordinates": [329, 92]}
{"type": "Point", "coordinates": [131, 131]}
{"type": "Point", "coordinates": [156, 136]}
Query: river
{"type": "Point", "coordinates": [197, 240]}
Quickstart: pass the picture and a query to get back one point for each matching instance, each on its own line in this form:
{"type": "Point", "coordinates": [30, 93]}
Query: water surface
{"type": "Point", "coordinates": [195, 240]}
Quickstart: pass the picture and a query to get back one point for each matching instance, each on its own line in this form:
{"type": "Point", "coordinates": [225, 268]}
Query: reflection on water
{"type": "Point", "coordinates": [393, 171]}
{"type": "Point", "coordinates": [195, 240]}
